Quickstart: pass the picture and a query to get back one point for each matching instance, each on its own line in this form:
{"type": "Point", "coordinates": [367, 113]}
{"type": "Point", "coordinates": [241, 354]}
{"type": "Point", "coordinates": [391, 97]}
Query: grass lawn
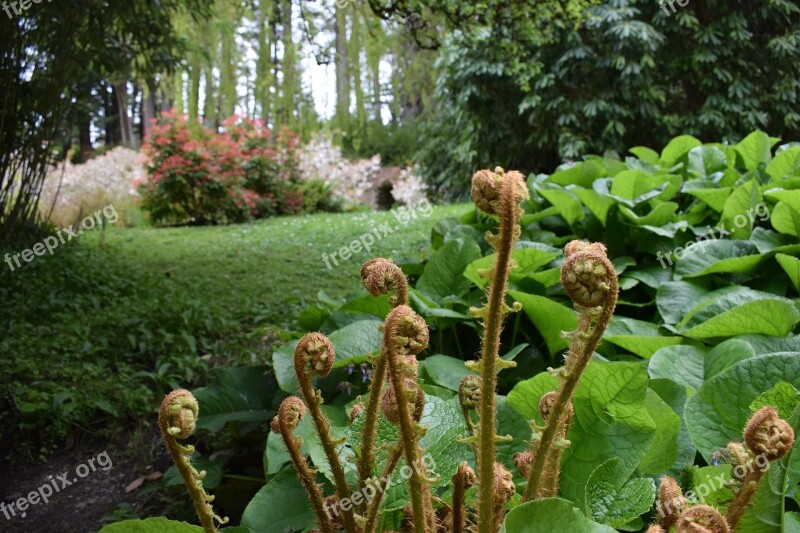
{"type": "Point", "coordinates": [95, 333]}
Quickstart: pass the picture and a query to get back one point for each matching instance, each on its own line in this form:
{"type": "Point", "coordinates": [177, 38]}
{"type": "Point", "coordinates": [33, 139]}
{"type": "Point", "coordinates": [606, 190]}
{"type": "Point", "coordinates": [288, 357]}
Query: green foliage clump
{"type": "Point", "coordinates": [627, 72]}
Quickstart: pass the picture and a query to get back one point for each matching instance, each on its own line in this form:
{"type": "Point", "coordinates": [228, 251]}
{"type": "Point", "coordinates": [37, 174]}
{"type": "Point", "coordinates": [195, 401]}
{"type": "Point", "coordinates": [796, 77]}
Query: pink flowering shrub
{"type": "Point", "coordinates": [200, 177]}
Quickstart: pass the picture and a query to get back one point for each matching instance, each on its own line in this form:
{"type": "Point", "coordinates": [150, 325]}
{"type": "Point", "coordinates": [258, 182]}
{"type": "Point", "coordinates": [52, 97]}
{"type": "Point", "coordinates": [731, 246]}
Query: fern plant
{"type": "Point", "coordinates": [479, 491]}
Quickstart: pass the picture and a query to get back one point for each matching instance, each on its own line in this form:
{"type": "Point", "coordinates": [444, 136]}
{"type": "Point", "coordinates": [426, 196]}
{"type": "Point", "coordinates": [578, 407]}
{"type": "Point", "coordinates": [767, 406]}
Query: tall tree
{"type": "Point", "coordinates": [342, 117]}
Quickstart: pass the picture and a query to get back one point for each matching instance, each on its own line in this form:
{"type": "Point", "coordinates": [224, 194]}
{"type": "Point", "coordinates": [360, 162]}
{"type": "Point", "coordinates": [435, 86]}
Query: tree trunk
{"type": "Point", "coordinates": [111, 106]}
{"type": "Point", "coordinates": [148, 107]}
{"type": "Point", "coordinates": [125, 126]}
{"type": "Point", "coordinates": [178, 93]}
{"type": "Point", "coordinates": [342, 117]}
{"type": "Point", "coordinates": [289, 74]}
{"type": "Point", "coordinates": [264, 77]}
{"type": "Point", "coordinates": [356, 43]}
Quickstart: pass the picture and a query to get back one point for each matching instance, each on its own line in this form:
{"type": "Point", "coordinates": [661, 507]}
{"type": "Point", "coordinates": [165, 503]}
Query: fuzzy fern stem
{"type": "Point", "coordinates": [591, 283]}
{"type": "Point", "coordinates": [378, 276]}
{"type": "Point", "coordinates": [290, 414]}
{"type": "Point", "coordinates": [177, 419]}
{"type": "Point", "coordinates": [496, 193]}
{"type": "Point", "coordinates": [314, 355]}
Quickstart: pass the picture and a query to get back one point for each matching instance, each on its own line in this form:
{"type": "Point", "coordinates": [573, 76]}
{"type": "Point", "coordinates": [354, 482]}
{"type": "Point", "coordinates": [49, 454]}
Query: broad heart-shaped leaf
{"type": "Point", "coordinates": [281, 505]}
{"type": "Point", "coordinates": [239, 394]}
{"type": "Point", "coordinates": [704, 161]}
{"type": "Point", "coordinates": [528, 261]}
{"type": "Point", "coordinates": [719, 410]}
{"type": "Point", "coordinates": [633, 187]}
{"type": "Point", "coordinates": [682, 364]}
{"type": "Point", "coordinates": [659, 216]}
{"type": "Point", "coordinates": [637, 336]}
{"type": "Point", "coordinates": [440, 448]}
{"type": "Point", "coordinates": [786, 218]}
{"type": "Point", "coordinates": [739, 311]}
{"type": "Point", "coordinates": [569, 207]}
{"type": "Point", "coordinates": [675, 396]}
{"type": "Point", "coordinates": [676, 298]}
{"type": "Point", "coordinates": [740, 209]}
{"type": "Point", "coordinates": [595, 202]}
{"type": "Point", "coordinates": [677, 148]}
{"type": "Point", "coordinates": [783, 397]}
{"type": "Point", "coordinates": [755, 149]}
{"type": "Point", "coordinates": [444, 370]}
{"type": "Point", "coordinates": [726, 354]}
{"type": "Point", "coordinates": [549, 317]}
{"type": "Point", "coordinates": [442, 276]}
{"type": "Point", "coordinates": [613, 499]}
{"type": "Point", "coordinates": [550, 515]}
{"type": "Point", "coordinates": [663, 452]}
{"type": "Point", "coordinates": [611, 420]}
{"type": "Point", "coordinates": [785, 163]}
{"type": "Point", "coordinates": [714, 198]}
{"type": "Point", "coordinates": [582, 174]}
{"type": "Point", "coordinates": [352, 344]}
{"type": "Point", "coordinates": [720, 256]}
{"type": "Point", "coordinates": [791, 265]}
{"type": "Point", "coordinates": [155, 525]}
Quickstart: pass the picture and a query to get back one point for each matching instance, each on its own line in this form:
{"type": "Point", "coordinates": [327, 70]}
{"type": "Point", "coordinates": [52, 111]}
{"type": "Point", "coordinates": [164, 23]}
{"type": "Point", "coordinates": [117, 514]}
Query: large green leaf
{"type": "Point", "coordinates": [239, 394]}
{"type": "Point", "coordinates": [719, 410]}
{"type": "Point", "coordinates": [663, 452]}
{"type": "Point", "coordinates": [637, 336]}
{"type": "Point", "coordinates": [740, 311]}
{"type": "Point", "coordinates": [440, 447]}
{"type": "Point", "coordinates": [444, 370]}
{"type": "Point", "coordinates": [755, 149]}
{"type": "Point", "coordinates": [786, 218]}
{"type": "Point", "coordinates": [677, 148]}
{"type": "Point", "coordinates": [784, 164]}
{"type": "Point", "coordinates": [549, 317]}
{"type": "Point", "coordinates": [675, 396]}
{"type": "Point", "coordinates": [443, 275]}
{"type": "Point", "coordinates": [582, 174]}
{"type": "Point", "coordinates": [705, 161]}
{"type": "Point", "coordinates": [682, 364]}
{"type": "Point", "coordinates": [740, 210]}
{"type": "Point", "coordinates": [614, 499]}
{"type": "Point", "coordinates": [720, 256]}
{"type": "Point", "coordinates": [611, 420]}
{"type": "Point", "coordinates": [152, 525]}
{"type": "Point", "coordinates": [791, 265]}
{"type": "Point", "coordinates": [595, 202]}
{"type": "Point", "coordinates": [675, 299]}
{"type": "Point", "coordinates": [279, 506]}
{"type": "Point", "coordinates": [659, 216]}
{"type": "Point", "coordinates": [550, 515]}
{"type": "Point", "coordinates": [352, 343]}
{"type": "Point", "coordinates": [569, 207]}
{"type": "Point", "coordinates": [715, 198]}
{"type": "Point", "coordinates": [527, 260]}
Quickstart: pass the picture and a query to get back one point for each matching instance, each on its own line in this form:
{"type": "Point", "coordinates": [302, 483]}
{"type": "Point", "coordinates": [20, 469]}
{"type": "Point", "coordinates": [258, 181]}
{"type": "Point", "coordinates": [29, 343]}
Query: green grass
{"type": "Point", "coordinates": [95, 333]}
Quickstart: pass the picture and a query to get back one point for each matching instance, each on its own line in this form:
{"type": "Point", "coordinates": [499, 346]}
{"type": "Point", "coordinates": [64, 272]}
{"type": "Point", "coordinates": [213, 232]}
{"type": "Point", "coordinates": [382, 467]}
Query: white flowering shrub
{"type": "Point", "coordinates": [355, 181]}
{"type": "Point", "coordinates": [409, 189]}
{"type": "Point", "coordinates": [110, 178]}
